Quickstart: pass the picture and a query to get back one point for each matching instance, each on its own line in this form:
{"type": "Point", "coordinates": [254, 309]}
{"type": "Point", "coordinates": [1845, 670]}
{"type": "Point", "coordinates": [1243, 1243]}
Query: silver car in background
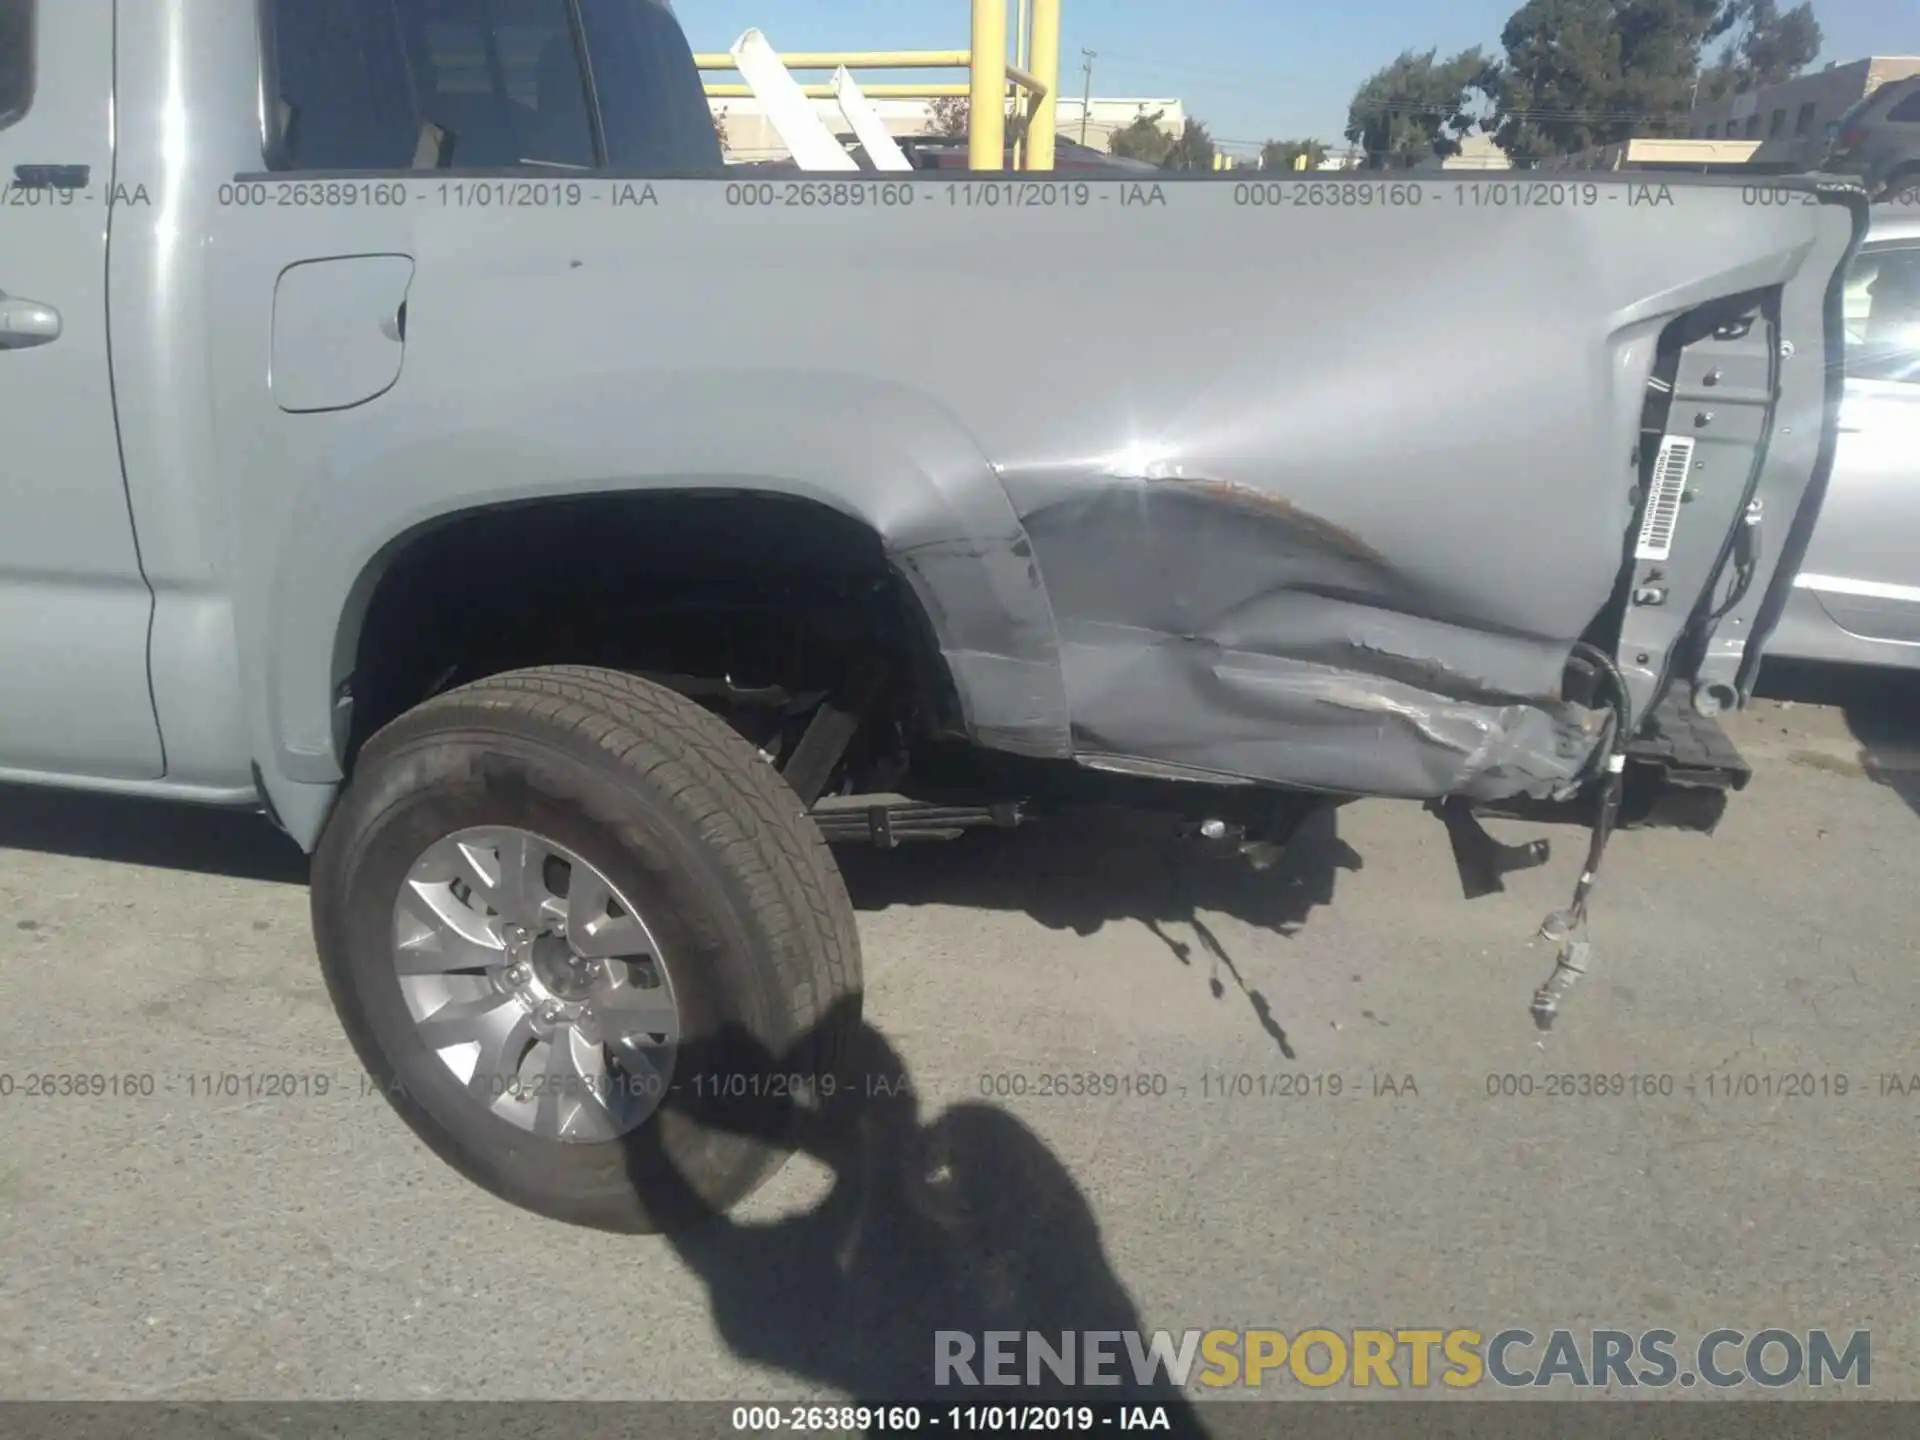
{"type": "Point", "coordinates": [1879, 139]}
{"type": "Point", "coordinates": [1857, 597]}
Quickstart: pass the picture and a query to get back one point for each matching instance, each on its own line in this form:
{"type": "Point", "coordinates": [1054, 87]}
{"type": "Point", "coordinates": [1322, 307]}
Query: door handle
{"type": "Point", "coordinates": [26, 322]}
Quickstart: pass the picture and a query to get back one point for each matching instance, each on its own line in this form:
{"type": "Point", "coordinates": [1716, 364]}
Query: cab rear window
{"type": "Point", "coordinates": [485, 84]}
{"type": "Point", "coordinates": [16, 59]}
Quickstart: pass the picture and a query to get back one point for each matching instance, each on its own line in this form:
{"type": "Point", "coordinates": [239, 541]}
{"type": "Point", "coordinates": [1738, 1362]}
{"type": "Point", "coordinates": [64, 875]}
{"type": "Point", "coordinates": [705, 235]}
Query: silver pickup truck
{"type": "Point", "coordinates": [414, 431]}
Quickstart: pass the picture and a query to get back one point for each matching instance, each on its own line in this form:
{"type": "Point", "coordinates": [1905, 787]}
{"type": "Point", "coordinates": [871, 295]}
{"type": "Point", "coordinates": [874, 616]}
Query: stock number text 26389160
{"type": "Point", "coordinates": [1329, 194]}
{"type": "Point", "coordinates": [820, 195]}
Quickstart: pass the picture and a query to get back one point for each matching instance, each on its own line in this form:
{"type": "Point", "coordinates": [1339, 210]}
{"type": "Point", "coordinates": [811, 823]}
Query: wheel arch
{"type": "Point", "coordinates": [981, 630]}
{"type": "Point", "coordinates": [366, 488]}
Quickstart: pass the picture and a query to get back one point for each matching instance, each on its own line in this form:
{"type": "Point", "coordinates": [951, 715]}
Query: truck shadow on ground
{"type": "Point", "coordinates": [960, 1222]}
{"type": "Point", "coordinates": [1084, 869]}
{"type": "Point", "coordinates": [1881, 709]}
{"type": "Point", "coordinates": [160, 833]}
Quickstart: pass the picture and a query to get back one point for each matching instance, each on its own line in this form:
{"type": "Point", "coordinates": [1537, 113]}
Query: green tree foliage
{"type": "Point", "coordinates": [1767, 45]}
{"type": "Point", "coordinates": [951, 114]}
{"type": "Point", "coordinates": [1143, 139]}
{"type": "Point", "coordinates": [1581, 73]}
{"type": "Point", "coordinates": [1280, 154]}
{"type": "Point", "coordinates": [1193, 150]}
{"type": "Point", "coordinates": [1417, 107]}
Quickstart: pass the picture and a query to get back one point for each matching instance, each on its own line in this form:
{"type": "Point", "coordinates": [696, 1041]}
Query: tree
{"type": "Point", "coordinates": [1418, 106]}
{"type": "Point", "coordinates": [1192, 151]}
{"type": "Point", "coordinates": [720, 128]}
{"type": "Point", "coordinates": [1765, 47]}
{"type": "Point", "coordinates": [1581, 73]}
{"type": "Point", "coordinates": [1142, 139]}
{"type": "Point", "coordinates": [1280, 154]}
{"type": "Point", "coordinates": [951, 114]}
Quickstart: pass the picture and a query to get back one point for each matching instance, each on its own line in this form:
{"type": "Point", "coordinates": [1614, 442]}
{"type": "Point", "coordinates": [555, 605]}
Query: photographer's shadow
{"type": "Point", "coordinates": [963, 1223]}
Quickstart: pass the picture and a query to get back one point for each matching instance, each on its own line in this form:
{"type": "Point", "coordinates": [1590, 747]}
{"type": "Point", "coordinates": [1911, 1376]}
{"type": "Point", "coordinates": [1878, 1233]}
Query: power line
{"type": "Point", "coordinates": [1523, 112]}
{"type": "Point", "coordinates": [1150, 63]}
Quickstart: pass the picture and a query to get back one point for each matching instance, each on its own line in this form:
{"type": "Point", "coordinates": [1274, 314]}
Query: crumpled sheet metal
{"type": "Point", "coordinates": [1219, 630]}
{"type": "Point", "coordinates": [1270, 718]}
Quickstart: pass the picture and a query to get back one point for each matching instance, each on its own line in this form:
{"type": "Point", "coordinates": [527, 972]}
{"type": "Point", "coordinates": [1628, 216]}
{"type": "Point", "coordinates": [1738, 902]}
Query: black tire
{"type": "Point", "coordinates": [719, 855]}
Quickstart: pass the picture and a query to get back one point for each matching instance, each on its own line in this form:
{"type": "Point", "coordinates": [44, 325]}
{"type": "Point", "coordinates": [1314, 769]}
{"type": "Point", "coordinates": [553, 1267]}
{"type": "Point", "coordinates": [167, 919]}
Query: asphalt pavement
{"type": "Point", "coordinates": [1318, 1101]}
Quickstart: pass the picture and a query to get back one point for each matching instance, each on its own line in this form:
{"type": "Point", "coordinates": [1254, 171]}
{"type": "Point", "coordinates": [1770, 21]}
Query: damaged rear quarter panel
{"type": "Point", "coordinates": [1340, 526]}
{"type": "Point", "coordinates": [1331, 518]}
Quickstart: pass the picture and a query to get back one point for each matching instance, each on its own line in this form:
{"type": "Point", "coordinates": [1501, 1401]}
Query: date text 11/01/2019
{"type": "Point", "coordinates": [519, 194]}
{"type": "Point", "coordinates": [1299, 193]}
{"type": "Point", "coordinates": [1802, 1086]}
{"type": "Point", "coordinates": [959, 1419]}
{"type": "Point", "coordinates": [978, 194]}
{"type": "Point", "coordinates": [1706, 1085]}
{"type": "Point", "coordinates": [804, 1089]}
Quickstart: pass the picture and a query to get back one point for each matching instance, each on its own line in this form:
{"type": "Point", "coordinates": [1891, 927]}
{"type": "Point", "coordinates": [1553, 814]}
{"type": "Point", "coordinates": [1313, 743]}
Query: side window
{"type": "Point", "coordinates": [429, 84]}
{"type": "Point", "coordinates": [652, 103]}
{"type": "Point", "coordinates": [16, 59]}
{"type": "Point", "coordinates": [503, 83]}
{"type": "Point", "coordinates": [346, 97]}
{"type": "Point", "coordinates": [1882, 299]}
{"type": "Point", "coordinates": [1906, 111]}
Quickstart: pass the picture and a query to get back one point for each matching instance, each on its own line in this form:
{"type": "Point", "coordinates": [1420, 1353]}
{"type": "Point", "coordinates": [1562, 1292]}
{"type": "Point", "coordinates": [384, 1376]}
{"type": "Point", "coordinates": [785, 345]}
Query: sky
{"type": "Point", "coordinates": [1252, 69]}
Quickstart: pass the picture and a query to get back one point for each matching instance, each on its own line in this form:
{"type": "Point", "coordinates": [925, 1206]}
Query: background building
{"type": "Point", "coordinates": [1477, 152]}
{"type": "Point", "coordinates": [1106, 116]}
{"type": "Point", "coordinates": [1794, 120]}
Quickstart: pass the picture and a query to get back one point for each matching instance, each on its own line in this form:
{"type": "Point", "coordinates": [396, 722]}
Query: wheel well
{"type": "Point", "coordinates": [756, 592]}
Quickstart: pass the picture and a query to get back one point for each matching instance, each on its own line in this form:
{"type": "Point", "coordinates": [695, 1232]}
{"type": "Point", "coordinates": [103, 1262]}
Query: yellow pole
{"type": "Point", "coordinates": [1024, 79]}
{"type": "Point", "coordinates": [904, 90]}
{"type": "Point", "coordinates": [852, 59]}
{"type": "Point", "coordinates": [1045, 65]}
{"type": "Point", "coordinates": [986, 103]}
{"type": "Point", "coordinates": [1022, 101]}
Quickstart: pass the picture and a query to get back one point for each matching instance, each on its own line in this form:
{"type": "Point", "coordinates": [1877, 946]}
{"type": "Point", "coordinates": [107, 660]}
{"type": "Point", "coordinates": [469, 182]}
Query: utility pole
{"type": "Point", "coordinates": [1086, 93]}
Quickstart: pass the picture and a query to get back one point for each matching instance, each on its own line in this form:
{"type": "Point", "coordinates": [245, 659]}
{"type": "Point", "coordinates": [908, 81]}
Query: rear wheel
{"type": "Point", "coordinates": [588, 943]}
